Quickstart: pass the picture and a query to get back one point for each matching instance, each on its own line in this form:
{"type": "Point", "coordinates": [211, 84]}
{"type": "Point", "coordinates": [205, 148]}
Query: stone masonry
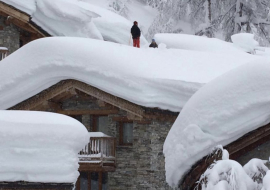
{"type": "Point", "coordinates": [9, 36]}
{"type": "Point", "coordinates": [140, 166]}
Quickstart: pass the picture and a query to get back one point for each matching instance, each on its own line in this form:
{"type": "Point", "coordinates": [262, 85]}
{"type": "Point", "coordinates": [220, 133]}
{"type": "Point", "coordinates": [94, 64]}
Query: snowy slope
{"type": "Point", "coordinates": [132, 10]}
{"type": "Point", "coordinates": [77, 19]}
{"type": "Point", "coordinates": [163, 78]}
{"type": "Point", "coordinates": [40, 146]}
{"type": "Point", "coordinates": [220, 112]}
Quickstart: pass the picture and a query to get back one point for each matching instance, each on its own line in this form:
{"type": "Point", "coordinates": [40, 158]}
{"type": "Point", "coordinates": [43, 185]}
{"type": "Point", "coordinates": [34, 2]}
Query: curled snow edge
{"type": "Point", "coordinates": [219, 113]}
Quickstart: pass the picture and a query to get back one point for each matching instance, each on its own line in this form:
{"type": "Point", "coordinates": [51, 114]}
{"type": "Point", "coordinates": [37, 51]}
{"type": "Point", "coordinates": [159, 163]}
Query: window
{"type": "Point", "coordinates": [100, 124]}
{"type": "Point", "coordinates": [125, 134]}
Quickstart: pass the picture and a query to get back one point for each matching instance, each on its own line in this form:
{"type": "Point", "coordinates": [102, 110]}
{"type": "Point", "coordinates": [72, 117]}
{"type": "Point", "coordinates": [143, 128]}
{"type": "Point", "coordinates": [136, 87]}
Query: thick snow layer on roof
{"type": "Point", "coordinates": [197, 43]}
{"type": "Point", "coordinates": [40, 146]}
{"type": "Point", "coordinates": [220, 112]}
{"type": "Point", "coordinates": [164, 78]}
{"type": "Point", "coordinates": [77, 19]}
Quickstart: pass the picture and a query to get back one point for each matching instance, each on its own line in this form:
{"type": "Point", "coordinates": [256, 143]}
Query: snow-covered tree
{"type": "Point", "coordinates": [213, 18]}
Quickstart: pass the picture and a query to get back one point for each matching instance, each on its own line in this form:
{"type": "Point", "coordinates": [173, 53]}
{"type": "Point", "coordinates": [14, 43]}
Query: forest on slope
{"type": "Point", "coordinates": [213, 18]}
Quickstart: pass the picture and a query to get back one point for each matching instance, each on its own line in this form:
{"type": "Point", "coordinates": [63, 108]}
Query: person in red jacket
{"type": "Point", "coordinates": [136, 34]}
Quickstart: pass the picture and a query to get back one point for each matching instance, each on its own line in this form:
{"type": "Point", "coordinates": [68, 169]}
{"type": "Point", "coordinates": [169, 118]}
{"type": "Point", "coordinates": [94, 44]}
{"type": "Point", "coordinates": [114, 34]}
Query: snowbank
{"type": "Point", "coordinates": [220, 112]}
{"type": "Point", "coordinates": [148, 77]}
{"type": "Point", "coordinates": [230, 175]}
{"type": "Point", "coordinates": [197, 43]}
{"type": "Point", "coordinates": [245, 41]}
{"type": "Point", "coordinates": [40, 146]}
{"type": "Point", "coordinates": [77, 19]}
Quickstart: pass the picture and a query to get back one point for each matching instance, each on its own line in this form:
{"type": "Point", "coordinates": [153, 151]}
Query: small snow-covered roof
{"type": "Point", "coordinates": [40, 146]}
{"type": "Point", "coordinates": [77, 19]}
{"type": "Point", "coordinates": [220, 112]}
{"type": "Point", "coordinates": [163, 78]}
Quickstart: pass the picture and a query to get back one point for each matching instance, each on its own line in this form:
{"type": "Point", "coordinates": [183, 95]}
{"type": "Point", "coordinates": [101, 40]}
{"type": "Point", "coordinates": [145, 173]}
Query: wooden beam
{"type": "Point", "coordinates": [19, 23]}
{"type": "Point", "coordinates": [14, 12]}
{"type": "Point", "coordinates": [95, 167]}
{"type": "Point", "coordinates": [110, 99]}
{"type": "Point", "coordinates": [78, 183]}
{"type": "Point", "coordinates": [127, 120]}
{"type": "Point", "coordinates": [99, 180]}
{"type": "Point", "coordinates": [88, 112]}
{"type": "Point", "coordinates": [44, 95]}
{"type": "Point", "coordinates": [89, 180]}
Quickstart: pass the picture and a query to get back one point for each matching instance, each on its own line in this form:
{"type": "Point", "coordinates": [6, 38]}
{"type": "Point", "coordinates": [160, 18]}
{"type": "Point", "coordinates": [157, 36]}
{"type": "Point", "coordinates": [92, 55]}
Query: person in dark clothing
{"type": "Point", "coordinates": [136, 34]}
{"type": "Point", "coordinates": [153, 44]}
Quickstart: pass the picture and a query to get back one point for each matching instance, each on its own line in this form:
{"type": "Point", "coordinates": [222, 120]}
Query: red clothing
{"type": "Point", "coordinates": [136, 42]}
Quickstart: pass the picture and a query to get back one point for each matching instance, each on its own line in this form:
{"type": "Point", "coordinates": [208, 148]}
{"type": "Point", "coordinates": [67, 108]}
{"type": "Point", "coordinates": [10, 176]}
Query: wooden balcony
{"type": "Point", "coordinates": [3, 53]}
{"type": "Point", "coordinates": [98, 155]}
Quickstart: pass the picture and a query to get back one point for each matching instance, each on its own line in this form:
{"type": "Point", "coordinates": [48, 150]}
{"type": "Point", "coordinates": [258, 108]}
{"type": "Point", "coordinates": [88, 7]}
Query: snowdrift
{"type": "Point", "coordinates": [219, 113]}
{"type": "Point", "coordinates": [77, 19]}
{"type": "Point", "coordinates": [198, 43]}
{"type": "Point", "coordinates": [148, 77]}
{"type": "Point", "coordinates": [40, 147]}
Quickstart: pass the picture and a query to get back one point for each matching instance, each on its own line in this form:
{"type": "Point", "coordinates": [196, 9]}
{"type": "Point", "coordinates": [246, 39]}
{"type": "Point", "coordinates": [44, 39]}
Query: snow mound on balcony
{"type": "Point", "coordinates": [40, 146]}
{"type": "Point", "coordinates": [149, 77]}
{"type": "Point", "coordinates": [77, 19]}
{"type": "Point", "coordinates": [219, 113]}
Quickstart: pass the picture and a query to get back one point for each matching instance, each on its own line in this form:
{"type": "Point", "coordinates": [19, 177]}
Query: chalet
{"type": "Point", "coordinates": [132, 157]}
{"type": "Point", "coordinates": [129, 155]}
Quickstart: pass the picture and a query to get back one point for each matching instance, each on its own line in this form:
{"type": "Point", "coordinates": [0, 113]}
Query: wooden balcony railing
{"type": "Point", "coordinates": [99, 150]}
{"type": "Point", "coordinates": [3, 52]}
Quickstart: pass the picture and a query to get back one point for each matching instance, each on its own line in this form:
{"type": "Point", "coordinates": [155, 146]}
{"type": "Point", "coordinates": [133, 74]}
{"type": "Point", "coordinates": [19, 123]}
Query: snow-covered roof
{"type": "Point", "coordinates": [219, 113]}
{"type": "Point", "coordinates": [77, 19]}
{"type": "Point", "coordinates": [163, 78]}
{"type": "Point", "coordinates": [40, 146]}
{"type": "Point", "coordinates": [197, 43]}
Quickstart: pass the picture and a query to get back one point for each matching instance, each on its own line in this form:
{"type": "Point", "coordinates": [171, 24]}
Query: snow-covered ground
{"type": "Point", "coordinates": [164, 78]}
{"type": "Point", "coordinates": [40, 146]}
{"type": "Point", "coordinates": [219, 113]}
{"type": "Point", "coordinates": [77, 19]}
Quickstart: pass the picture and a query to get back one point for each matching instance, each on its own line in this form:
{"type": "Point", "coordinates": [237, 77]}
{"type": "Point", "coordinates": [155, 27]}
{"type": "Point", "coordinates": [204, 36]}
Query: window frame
{"type": "Point", "coordinates": [121, 133]}
{"type": "Point", "coordinates": [95, 121]}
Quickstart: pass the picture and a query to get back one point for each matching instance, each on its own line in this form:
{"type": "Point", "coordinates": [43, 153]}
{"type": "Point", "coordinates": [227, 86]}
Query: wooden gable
{"type": "Point", "coordinates": [52, 97]}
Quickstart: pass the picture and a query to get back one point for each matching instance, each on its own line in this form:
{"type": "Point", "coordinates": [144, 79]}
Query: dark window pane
{"type": "Point", "coordinates": [94, 181]}
{"type": "Point", "coordinates": [102, 124]}
{"type": "Point", "coordinates": [83, 181]}
{"type": "Point", "coordinates": [104, 181]}
{"type": "Point", "coordinates": [128, 133]}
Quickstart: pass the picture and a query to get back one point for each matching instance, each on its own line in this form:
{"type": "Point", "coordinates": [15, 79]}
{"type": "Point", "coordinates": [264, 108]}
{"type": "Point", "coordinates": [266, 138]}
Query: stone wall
{"type": "Point", "coordinates": [9, 36]}
{"type": "Point", "coordinates": [140, 166]}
